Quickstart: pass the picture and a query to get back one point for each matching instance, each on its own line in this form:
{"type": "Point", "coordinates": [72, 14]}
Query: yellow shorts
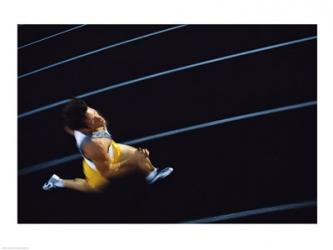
{"type": "Point", "coordinates": [94, 177]}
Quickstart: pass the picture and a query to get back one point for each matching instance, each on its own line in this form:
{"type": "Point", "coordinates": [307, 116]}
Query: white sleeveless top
{"type": "Point", "coordinates": [82, 139]}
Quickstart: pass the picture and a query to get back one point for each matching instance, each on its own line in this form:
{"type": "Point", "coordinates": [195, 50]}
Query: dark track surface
{"type": "Point", "coordinates": [253, 163]}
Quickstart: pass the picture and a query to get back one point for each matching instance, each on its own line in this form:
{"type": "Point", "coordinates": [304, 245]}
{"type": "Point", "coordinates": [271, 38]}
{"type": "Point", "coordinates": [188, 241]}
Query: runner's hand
{"type": "Point", "coordinates": [144, 151]}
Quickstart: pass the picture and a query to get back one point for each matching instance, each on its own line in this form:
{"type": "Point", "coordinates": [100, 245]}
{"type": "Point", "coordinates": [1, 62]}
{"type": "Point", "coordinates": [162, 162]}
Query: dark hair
{"type": "Point", "coordinates": [74, 114]}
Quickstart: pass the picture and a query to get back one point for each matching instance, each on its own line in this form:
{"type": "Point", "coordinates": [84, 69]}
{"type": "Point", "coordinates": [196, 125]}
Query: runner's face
{"type": "Point", "coordinates": [94, 119]}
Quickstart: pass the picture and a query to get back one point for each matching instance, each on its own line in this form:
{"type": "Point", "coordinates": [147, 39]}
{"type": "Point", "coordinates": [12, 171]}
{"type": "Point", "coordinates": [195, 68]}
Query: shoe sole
{"type": "Point", "coordinates": [49, 185]}
{"type": "Point", "coordinates": [162, 175]}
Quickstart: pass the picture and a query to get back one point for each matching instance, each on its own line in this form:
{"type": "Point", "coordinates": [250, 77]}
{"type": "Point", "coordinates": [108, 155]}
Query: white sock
{"type": "Point", "coordinates": [59, 183]}
{"type": "Point", "coordinates": [151, 175]}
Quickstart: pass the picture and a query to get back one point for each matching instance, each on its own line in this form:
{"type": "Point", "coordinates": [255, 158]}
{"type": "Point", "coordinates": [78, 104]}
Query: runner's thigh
{"type": "Point", "coordinates": [126, 151]}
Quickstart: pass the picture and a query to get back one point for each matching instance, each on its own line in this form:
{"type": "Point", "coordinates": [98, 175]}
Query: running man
{"type": "Point", "coordinates": [103, 158]}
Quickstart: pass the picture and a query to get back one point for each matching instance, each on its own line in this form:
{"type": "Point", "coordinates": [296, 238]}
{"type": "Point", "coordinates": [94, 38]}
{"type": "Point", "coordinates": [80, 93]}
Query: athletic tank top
{"type": "Point", "coordinates": [82, 139]}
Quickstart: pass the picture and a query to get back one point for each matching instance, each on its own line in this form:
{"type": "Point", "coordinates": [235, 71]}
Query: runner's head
{"type": "Point", "coordinates": [78, 115]}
